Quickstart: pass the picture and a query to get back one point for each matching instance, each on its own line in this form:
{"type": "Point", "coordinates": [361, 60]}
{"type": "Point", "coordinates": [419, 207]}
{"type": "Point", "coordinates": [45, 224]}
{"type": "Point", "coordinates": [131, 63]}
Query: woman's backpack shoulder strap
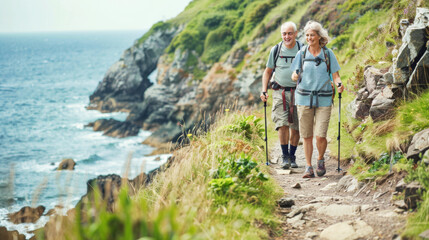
{"type": "Point", "coordinates": [327, 54]}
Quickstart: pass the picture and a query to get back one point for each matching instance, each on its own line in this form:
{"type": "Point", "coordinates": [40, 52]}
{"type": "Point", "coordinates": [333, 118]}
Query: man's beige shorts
{"type": "Point", "coordinates": [280, 116]}
{"type": "Point", "coordinates": [316, 118]}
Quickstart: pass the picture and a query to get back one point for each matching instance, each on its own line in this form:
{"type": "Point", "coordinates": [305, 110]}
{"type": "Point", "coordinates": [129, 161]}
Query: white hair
{"type": "Point", "coordinates": [288, 24]}
{"type": "Point", "coordinates": [317, 27]}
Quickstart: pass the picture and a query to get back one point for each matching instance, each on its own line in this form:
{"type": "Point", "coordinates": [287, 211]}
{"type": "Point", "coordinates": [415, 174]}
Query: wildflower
{"type": "Point", "coordinates": [189, 135]}
{"type": "Point", "coordinates": [227, 110]}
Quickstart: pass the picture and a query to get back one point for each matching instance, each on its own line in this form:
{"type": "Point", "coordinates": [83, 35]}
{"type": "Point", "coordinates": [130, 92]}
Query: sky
{"type": "Point", "coordinates": [85, 15]}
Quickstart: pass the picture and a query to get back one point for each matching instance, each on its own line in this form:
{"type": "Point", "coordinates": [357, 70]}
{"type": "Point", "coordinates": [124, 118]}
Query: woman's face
{"type": "Point", "coordinates": [312, 38]}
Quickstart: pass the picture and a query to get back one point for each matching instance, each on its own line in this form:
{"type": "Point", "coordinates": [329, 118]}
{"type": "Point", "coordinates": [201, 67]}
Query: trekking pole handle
{"type": "Point", "coordinates": [339, 94]}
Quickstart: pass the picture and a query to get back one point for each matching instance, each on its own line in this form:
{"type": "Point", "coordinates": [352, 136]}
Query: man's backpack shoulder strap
{"type": "Point", "coordinates": [277, 49]}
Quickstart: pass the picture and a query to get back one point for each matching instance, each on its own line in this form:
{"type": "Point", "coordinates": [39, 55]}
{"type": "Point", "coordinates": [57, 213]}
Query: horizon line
{"type": "Point", "coordinates": [72, 30]}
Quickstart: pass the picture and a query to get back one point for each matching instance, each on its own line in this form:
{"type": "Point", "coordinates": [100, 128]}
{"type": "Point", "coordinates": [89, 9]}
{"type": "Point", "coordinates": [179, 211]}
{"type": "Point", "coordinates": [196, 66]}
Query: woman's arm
{"type": "Point", "coordinates": [337, 81]}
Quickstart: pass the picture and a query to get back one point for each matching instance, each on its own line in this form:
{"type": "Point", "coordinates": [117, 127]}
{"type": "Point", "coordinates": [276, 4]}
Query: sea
{"type": "Point", "coordinates": [45, 83]}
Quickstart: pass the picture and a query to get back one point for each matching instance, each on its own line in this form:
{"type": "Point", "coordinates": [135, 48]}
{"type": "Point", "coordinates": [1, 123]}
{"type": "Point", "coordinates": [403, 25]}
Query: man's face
{"type": "Point", "coordinates": [288, 36]}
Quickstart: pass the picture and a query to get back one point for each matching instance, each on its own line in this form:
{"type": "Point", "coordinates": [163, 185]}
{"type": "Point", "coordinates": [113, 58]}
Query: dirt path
{"type": "Point", "coordinates": [335, 206]}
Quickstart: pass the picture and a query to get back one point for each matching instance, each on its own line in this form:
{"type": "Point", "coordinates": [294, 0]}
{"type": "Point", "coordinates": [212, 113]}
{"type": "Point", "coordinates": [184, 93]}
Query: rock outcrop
{"type": "Point", "coordinates": [178, 102]}
{"type": "Point", "coordinates": [419, 145]}
{"type": "Point", "coordinates": [408, 75]}
{"type": "Point", "coordinates": [126, 81]}
{"type": "Point", "coordinates": [10, 235]}
{"type": "Point", "coordinates": [66, 164]}
{"type": "Point", "coordinates": [115, 128]}
{"type": "Point", "coordinates": [109, 186]}
{"type": "Point", "coordinates": [26, 215]}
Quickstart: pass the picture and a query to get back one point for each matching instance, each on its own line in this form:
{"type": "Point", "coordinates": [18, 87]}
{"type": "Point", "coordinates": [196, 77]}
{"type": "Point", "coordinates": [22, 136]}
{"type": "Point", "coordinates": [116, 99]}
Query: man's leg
{"type": "Point", "coordinates": [284, 144]}
{"type": "Point", "coordinates": [294, 139]}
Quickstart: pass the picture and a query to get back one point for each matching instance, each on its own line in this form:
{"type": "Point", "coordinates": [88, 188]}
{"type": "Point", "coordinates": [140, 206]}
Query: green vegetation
{"type": "Point", "coordinates": [217, 188]}
{"type": "Point", "coordinates": [159, 26]}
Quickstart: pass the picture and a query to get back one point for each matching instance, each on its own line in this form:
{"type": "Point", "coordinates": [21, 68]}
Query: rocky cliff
{"type": "Point", "coordinates": [407, 77]}
{"type": "Point", "coordinates": [176, 103]}
{"type": "Point", "coordinates": [126, 80]}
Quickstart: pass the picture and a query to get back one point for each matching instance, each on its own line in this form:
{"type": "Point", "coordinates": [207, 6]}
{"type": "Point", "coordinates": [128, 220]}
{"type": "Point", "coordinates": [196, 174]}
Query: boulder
{"type": "Point", "coordinates": [388, 77]}
{"type": "Point", "coordinates": [337, 210]}
{"type": "Point", "coordinates": [371, 76]}
{"type": "Point", "coordinates": [422, 17]}
{"type": "Point", "coordinates": [362, 94]}
{"type": "Point", "coordinates": [67, 164]}
{"type": "Point", "coordinates": [10, 235]}
{"type": "Point", "coordinates": [412, 194]}
{"type": "Point", "coordinates": [400, 186]}
{"type": "Point", "coordinates": [360, 108]}
{"type": "Point", "coordinates": [26, 215]}
{"type": "Point", "coordinates": [347, 230]}
{"type": "Point", "coordinates": [419, 145]}
{"type": "Point", "coordinates": [419, 79]}
{"type": "Point", "coordinates": [108, 187]}
{"type": "Point", "coordinates": [392, 92]}
{"type": "Point", "coordinates": [349, 183]}
{"type": "Point", "coordinates": [401, 75]}
{"type": "Point", "coordinates": [382, 108]}
{"type": "Point", "coordinates": [286, 202]}
{"type": "Point", "coordinates": [413, 43]}
{"type": "Point", "coordinates": [115, 128]}
{"type": "Point", "coordinates": [424, 235]}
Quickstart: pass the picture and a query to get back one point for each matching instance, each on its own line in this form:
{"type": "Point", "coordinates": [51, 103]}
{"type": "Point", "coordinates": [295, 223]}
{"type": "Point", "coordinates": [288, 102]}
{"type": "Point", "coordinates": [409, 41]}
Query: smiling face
{"type": "Point", "coordinates": [288, 36]}
{"type": "Point", "coordinates": [312, 38]}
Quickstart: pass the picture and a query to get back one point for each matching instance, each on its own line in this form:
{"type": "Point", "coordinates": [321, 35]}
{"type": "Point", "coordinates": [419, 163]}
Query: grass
{"type": "Point", "coordinates": [180, 203]}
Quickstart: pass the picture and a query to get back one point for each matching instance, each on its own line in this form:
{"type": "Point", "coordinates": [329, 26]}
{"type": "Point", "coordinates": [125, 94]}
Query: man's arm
{"type": "Point", "coordinates": [265, 79]}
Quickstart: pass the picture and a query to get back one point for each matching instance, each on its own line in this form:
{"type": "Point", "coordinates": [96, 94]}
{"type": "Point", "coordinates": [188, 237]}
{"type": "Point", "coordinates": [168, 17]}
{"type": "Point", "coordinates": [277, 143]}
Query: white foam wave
{"type": "Point", "coordinates": [78, 125]}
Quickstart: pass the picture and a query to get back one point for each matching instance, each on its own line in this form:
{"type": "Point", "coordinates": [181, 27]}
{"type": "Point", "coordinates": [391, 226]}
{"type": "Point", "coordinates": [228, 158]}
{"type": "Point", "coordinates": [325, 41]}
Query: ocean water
{"type": "Point", "coordinates": [45, 83]}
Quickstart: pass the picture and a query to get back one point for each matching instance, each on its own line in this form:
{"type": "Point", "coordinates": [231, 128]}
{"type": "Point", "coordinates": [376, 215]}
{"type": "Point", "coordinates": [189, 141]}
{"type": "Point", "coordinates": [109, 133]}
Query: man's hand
{"type": "Point", "coordinates": [264, 96]}
{"type": "Point", "coordinates": [295, 76]}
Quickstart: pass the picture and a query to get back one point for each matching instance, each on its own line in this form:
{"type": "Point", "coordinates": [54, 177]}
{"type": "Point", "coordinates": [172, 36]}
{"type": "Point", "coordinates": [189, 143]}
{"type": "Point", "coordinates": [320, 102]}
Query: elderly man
{"type": "Point", "coordinates": [284, 113]}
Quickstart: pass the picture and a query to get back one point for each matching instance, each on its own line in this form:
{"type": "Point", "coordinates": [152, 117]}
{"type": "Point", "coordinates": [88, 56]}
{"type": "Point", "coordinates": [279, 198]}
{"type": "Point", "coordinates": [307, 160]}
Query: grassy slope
{"type": "Point", "coordinates": [180, 203]}
{"type": "Point", "coordinates": [363, 43]}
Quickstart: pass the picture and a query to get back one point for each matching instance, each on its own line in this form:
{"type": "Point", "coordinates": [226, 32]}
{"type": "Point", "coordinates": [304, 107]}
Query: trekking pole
{"type": "Point", "coordinates": [266, 138]}
{"type": "Point", "coordinates": [339, 127]}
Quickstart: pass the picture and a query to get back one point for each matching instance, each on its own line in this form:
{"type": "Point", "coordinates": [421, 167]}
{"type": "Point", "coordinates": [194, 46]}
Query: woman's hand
{"type": "Point", "coordinates": [338, 83]}
{"type": "Point", "coordinates": [340, 87]}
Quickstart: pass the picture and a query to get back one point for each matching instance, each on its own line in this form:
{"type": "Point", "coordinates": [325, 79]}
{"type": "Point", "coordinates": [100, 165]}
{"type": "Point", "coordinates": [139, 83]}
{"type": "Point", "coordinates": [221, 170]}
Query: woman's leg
{"type": "Point", "coordinates": [321, 144]}
{"type": "Point", "coordinates": [308, 149]}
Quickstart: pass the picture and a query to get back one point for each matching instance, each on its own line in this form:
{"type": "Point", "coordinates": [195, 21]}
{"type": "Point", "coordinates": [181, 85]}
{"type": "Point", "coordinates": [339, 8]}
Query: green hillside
{"type": "Point", "coordinates": [219, 185]}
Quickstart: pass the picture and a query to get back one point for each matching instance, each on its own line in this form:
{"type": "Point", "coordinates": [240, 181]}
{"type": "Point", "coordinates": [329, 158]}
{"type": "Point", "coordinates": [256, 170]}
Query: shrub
{"type": "Point", "coordinates": [189, 39]}
{"type": "Point", "coordinates": [213, 20]}
{"type": "Point", "coordinates": [217, 43]}
{"type": "Point", "coordinates": [236, 179]}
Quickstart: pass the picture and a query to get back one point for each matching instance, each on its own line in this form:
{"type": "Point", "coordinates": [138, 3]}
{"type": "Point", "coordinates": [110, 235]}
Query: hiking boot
{"type": "Point", "coordinates": [285, 162]}
{"type": "Point", "coordinates": [309, 173]}
{"type": "Point", "coordinates": [321, 170]}
{"type": "Point", "coordinates": [293, 162]}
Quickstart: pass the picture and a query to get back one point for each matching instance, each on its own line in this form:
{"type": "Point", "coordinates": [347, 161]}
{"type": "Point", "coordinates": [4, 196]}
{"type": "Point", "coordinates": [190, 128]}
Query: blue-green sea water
{"type": "Point", "coordinates": [45, 83]}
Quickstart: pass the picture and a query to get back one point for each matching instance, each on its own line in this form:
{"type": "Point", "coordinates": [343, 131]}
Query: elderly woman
{"type": "Point", "coordinates": [313, 66]}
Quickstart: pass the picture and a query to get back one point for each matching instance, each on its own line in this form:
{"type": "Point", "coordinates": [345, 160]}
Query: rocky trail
{"type": "Point", "coordinates": [336, 206]}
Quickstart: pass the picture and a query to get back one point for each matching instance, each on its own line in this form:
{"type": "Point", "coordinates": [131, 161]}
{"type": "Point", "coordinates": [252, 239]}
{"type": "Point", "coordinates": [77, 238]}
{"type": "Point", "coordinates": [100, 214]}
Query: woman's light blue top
{"type": "Point", "coordinates": [314, 77]}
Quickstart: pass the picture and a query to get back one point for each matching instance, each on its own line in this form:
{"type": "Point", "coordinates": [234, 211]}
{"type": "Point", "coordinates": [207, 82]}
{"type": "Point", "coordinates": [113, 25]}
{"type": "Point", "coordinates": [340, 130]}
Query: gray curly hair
{"type": "Point", "coordinates": [318, 28]}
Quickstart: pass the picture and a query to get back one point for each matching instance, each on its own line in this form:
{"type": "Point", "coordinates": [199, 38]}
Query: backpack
{"type": "Point", "coordinates": [318, 62]}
